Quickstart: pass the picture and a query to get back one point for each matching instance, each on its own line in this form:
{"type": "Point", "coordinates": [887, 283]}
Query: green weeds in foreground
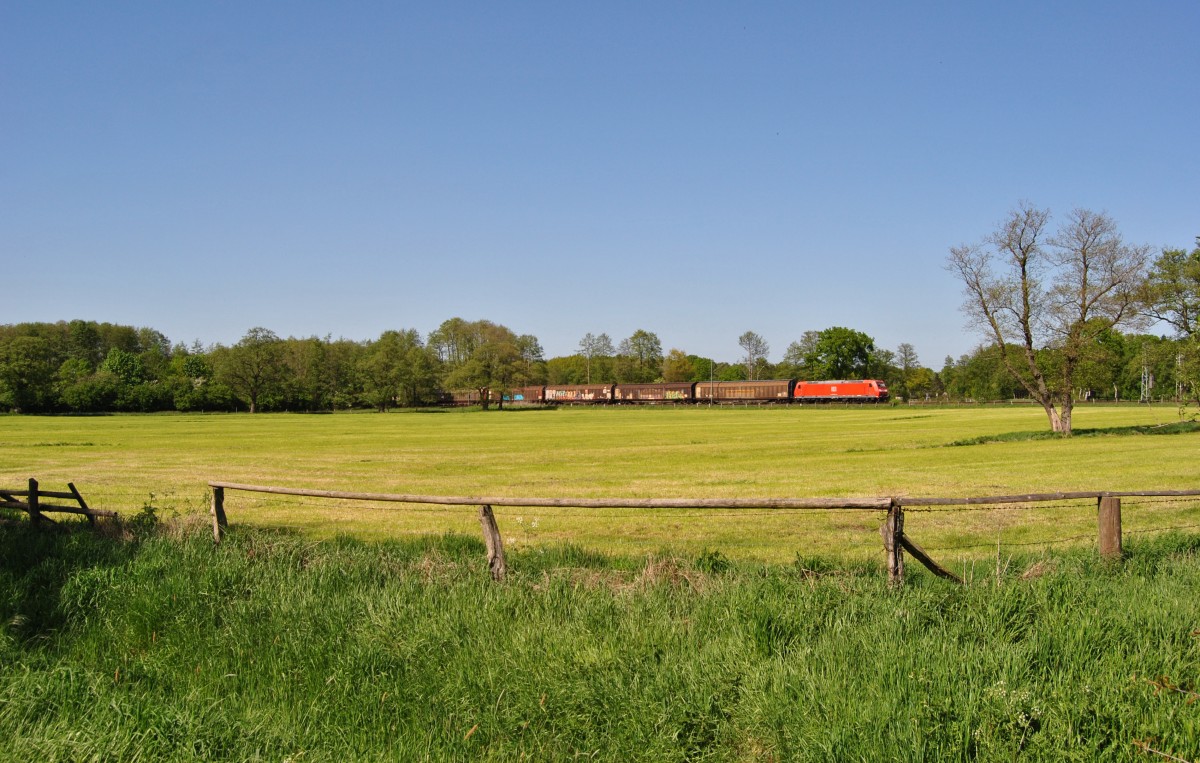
{"type": "Point", "coordinates": [275, 647]}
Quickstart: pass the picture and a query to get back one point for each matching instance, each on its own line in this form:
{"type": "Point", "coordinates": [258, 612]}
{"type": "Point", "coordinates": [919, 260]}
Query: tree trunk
{"type": "Point", "coordinates": [1068, 408]}
{"type": "Point", "coordinates": [1052, 414]}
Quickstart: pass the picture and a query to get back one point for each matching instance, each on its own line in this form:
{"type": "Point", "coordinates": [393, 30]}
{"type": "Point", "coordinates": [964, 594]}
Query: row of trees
{"type": "Point", "coordinates": [1054, 309]}
{"type": "Point", "coordinates": [84, 366]}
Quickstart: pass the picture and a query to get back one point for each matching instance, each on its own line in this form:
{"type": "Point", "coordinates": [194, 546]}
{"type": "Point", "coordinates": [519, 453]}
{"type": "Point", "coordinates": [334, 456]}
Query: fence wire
{"type": "Point", "coordinates": [1020, 521]}
{"type": "Point", "coordinates": [1131, 506]}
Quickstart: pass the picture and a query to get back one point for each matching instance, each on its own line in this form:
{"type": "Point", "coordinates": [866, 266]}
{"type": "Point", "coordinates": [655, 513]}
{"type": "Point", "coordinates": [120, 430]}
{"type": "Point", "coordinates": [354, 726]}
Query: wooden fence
{"type": "Point", "coordinates": [37, 509]}
{"type": "Point", "coordinates": [895, 540]}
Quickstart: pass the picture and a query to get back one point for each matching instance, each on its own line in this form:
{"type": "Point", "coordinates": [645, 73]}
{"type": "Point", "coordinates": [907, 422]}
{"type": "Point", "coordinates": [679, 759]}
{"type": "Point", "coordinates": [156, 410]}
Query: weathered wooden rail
{"type": "Point", "coordinates": [37, 509]}
{"type": "Point", "coordinates": [895, 540]}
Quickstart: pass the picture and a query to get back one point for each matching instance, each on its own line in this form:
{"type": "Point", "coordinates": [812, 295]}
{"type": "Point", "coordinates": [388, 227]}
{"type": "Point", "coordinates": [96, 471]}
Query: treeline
{"type": "Point", "coordinates": [88, 367]}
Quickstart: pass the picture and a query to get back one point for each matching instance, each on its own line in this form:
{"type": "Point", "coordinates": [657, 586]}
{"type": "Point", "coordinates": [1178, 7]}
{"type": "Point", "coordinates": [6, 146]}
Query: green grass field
{"type": "Point", "coordinates": [123, 462]}
{"type": "Point", "coordinates": [618, 635]}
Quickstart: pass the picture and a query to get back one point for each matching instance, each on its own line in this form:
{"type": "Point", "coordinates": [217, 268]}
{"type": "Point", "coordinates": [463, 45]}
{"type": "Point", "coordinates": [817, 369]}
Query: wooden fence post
{"type": "Point", "coordinates": [91, 518]}
{"type": "Point", "coordinates": [218, 513]}
{"type": "Point", "coordinates": [35, 516]}
{"type": "Point", "coordinates": [1110, 527]}
{"type": "Point", "coordinates": [892, 532]}
{"type": "Point", "coordinates": [491, 538]}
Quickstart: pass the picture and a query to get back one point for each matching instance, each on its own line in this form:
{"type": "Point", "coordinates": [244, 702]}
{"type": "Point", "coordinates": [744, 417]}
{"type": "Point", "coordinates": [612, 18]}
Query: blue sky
{"type": "Point", "coordinates": [693, 169]}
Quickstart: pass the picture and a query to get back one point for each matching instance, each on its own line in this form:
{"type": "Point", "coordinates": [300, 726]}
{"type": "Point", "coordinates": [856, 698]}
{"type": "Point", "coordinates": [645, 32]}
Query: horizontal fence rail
{"type": "Point", "coordinates": [1043, 497]}
{"type": "Point", "coordinates": [33, 505]}
{"type": "Point", "coordinates": [895, 540]}
{"type": "Point", "coordinates": [578, 503]}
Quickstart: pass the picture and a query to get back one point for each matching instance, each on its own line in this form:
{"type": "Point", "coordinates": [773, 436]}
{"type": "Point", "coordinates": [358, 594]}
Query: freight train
{"type": "Point", "coordinates": [766, 391]}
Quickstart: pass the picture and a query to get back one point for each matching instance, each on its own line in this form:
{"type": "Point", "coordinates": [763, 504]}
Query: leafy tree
{"type": "Point", "coordinates": [306, 385]}
{"type": "Point", "coordinates": [1171, 292]}
{"type": "Point", "coordinates": [124, 365]}
{"type": "Point", "coordinates": [677, 367]}
{"type": "Point", "coordinates": [499, 360]}
{"type": "Point", "coordinates": [922, 382]}
{"type": "Point", "coordinates": [84, 343]}
{"type": "Point", "coordinates": [194, 388]}
{"type": "Point", "coordinates": [755, 349]}
{"type": "Point", "coordinates": [797, 357]}
{"type": "Point", "coordinates": [639, 358]}
{"type": "Point", "coordinates": [1050, 296]}
{"type": "Point", "coordinates": [979, 377]}
{"type": "Point", "coordinates": [571, 369]}
{"type": "Point", "coordinates": [341, 371]}
{"type": "Point", "coordinates": [27, 369]}
{"type": "Point", "coordinates": [702, 368]}
{"type": "Point", "coordinates": [841, 353]}
{"type": "Point", "coordinates": [455, 340]}
{"type": "Point", "coordinates": [253, 368]}
{"type": "Point", "coordinates": [87, 393]}
{"type": "Point", "coordinates": [396, 369]}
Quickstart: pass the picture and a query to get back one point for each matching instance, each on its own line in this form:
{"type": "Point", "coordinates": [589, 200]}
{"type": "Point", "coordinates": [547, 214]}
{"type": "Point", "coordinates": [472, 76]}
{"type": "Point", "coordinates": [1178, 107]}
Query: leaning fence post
{"type": "Point", "coordinates": [1109, 510]}
{"type": "Point", "coordinates": [491, 538]}
{"type": "Point", "coordinates": [91, 518]}
{"type": "Point", "coordinates": [892, 531]}
{"type": "Point", "coordinates": [218, 513]}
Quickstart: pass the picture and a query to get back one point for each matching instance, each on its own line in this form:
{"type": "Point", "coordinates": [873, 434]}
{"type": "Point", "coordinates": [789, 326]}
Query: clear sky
{"type": "Point", "coordinates": [694, 169]}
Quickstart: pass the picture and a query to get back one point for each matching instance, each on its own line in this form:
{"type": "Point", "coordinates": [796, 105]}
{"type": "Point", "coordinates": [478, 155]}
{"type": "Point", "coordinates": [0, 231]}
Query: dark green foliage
{"type": "Point", "coordinates": [712, 562]}
{"type": "Point", "coordinates": [272, 647]}
{"type": "Point", "coordinates": [1178, 427]}
{"type": "Point", "coordinates": [842, 353]}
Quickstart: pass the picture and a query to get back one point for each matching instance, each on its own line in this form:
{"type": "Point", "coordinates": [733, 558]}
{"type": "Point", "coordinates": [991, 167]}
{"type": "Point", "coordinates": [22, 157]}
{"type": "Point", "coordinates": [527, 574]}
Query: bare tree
{"type": "Point", "coordinates": [756, 349]}
{"type": "Point", "coordinates": [1046, 300]}
{"type": "Point", "coordinates": [592, 346]}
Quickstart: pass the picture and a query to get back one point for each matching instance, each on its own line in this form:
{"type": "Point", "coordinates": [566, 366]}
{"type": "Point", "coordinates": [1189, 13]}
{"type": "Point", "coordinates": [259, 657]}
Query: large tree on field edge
{"type": "Point", "coordinates": [1051, 296]}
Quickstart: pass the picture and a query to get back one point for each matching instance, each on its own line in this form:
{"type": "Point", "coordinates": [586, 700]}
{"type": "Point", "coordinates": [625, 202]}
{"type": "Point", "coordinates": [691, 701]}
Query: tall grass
{"type": "Point", "coordinates": [277, 647]}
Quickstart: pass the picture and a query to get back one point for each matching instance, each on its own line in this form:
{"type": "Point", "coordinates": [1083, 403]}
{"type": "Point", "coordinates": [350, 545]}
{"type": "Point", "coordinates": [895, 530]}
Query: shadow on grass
{"type": "Point", "coordinates": [35, 564]}
{"type": "Point", "coordinates": [1178, 427]}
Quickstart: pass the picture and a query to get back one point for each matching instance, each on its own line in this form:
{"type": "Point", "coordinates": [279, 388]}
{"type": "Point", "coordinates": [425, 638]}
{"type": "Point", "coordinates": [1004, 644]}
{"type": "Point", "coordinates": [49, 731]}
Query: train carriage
{"type": "Point", "coordinates": [526, 395]}
{"type": "Point", "coordinates": [463, 397]}
{"type": "Point", "coordinates": [663, 392]}
{"type": "Point", "coordinates": [579, 393]}
{"type": "Point", "coordinates": [767, 390]}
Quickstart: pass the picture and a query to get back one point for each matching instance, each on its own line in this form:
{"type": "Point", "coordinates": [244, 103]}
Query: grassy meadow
{"type": "Point", "coordinates": [326, 631]}
{"type": "Point", "coordinates": [124, 462]}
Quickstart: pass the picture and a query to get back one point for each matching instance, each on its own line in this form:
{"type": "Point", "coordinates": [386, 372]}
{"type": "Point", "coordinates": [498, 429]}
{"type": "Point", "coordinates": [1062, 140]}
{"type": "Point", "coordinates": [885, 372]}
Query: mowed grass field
{"type": "Point", "coordinates": [617, 635]}
{"type": "Point", "coordinates": [124, 462]}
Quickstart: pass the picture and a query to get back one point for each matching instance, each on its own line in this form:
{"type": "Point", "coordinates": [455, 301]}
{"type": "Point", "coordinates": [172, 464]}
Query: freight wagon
{"type": "Point", "coordinates": [463, 397]}
{"type": "Point", "coordinates": [579, 393]}
{"type": "Point", "coordinates": [526, 395]}
{"type": "Point", "coordinates": [666, 392]}
{"type": "Point", "coordinates": [771, 390]}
